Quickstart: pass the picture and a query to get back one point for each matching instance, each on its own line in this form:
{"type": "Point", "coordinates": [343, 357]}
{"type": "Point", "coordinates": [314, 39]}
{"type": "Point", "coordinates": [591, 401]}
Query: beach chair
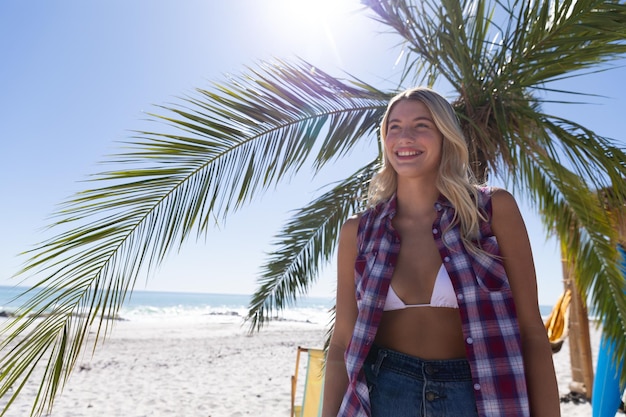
{"type": "Point", "coordinates": [311, 405]}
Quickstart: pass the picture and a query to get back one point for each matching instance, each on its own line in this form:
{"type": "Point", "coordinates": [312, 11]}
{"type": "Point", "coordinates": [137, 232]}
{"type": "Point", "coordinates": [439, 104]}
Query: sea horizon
{"type": "Point", "coordinates": [158, 304]}
{"type": "Point", "coordinates": [144, 305]}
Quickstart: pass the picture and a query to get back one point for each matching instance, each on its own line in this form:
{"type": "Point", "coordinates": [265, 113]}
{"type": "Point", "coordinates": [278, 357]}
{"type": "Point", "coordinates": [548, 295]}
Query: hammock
{"type": "Point", "coordinates": [557, 323]}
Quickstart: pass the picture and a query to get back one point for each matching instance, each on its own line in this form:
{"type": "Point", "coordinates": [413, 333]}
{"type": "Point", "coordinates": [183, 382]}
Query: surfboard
{"type": "Point", "coordinates": [606, 394]}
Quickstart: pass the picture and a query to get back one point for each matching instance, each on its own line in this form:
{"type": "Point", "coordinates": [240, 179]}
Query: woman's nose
{"type": "Point", "coordinates": [407, 133]}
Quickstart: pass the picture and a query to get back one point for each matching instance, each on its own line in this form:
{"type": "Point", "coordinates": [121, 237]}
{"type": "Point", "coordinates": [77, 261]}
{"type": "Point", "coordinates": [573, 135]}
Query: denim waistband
{"type": "Point", "coordinates": [421, 369]}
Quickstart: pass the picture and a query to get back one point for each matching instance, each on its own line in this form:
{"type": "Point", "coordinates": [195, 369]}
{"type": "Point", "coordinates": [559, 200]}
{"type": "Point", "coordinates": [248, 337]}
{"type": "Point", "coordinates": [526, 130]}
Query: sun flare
{"type": "Point", "coordinates": [317, 11]}
{"type": "Point", "coordinates": [315, 25]}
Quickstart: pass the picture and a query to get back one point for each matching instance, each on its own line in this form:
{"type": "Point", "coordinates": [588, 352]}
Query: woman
{"type": "Point", "coordinates": [437, 311]}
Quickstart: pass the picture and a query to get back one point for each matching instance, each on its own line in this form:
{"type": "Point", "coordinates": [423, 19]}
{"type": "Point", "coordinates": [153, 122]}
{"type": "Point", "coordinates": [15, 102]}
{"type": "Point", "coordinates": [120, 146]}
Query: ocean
{"type": "Point", "coordinates": [159, 305]}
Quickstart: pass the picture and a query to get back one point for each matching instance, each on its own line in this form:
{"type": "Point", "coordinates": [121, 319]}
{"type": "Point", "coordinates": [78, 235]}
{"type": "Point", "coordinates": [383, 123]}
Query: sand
{"type": "Point", "coordinates": [206, 368]}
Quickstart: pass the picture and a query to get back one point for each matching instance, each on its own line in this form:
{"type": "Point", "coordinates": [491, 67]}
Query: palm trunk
{"type": "Point", "coordinates": [579, 340]}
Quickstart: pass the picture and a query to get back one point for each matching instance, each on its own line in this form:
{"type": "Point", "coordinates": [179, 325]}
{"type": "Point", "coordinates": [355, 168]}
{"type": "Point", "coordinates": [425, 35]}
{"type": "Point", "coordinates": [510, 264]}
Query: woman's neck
{"type": "Point", "coordinates": [416, 199]}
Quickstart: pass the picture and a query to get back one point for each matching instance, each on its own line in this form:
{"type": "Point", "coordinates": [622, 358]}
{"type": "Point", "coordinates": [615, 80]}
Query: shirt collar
{"type": "Point", "coordinates": [443, 201]}
{"type": "Point", "coordinates": [388, 207]}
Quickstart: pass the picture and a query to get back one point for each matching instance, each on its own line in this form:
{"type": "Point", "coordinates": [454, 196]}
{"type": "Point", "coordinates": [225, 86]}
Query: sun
{"type": "Point", "coordinates": [315, 26]}
{"type": "Point", "coordinates": [322, 12]}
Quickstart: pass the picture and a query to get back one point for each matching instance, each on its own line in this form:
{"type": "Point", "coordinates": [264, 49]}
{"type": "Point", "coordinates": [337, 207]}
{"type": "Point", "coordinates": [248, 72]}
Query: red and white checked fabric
{"type": "Point", "coordinates": [486, 306]}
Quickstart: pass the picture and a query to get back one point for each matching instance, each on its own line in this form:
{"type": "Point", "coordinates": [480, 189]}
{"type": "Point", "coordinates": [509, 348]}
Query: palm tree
{"type": "Point", "coordinates": [233, 142]}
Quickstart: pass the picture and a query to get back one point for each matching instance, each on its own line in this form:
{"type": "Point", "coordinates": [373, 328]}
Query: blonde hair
{"type": "Point", "coordinates": [455, 180]}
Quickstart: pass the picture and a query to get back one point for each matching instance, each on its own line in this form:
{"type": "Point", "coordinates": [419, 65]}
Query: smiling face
{"type": "Point", "coordinates": [412, 140]}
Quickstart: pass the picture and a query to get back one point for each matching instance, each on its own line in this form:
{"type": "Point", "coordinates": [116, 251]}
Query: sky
{"type": "Point", "coordinates": [77, 78]}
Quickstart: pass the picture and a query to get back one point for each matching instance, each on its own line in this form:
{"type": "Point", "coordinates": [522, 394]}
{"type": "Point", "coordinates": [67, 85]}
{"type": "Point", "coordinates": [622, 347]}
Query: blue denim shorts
{"type": "Point", "coordinates": [401, 385]}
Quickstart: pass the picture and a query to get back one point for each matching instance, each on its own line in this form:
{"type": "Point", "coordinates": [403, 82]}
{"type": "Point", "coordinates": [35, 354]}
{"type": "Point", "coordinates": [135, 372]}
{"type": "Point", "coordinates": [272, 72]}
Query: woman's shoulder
{"type": "Point", "coordinates": [365, 219]}
{"type": "Point", "coordinates": [497, 195]}
{"type": "Point", "coordinates": [348, 233]}
{"type": "Point", "coordinates": [353, 220]}
{"type": "Point", "coordinates": [351, 225]}
{"type": "Point", "coordinates": [495, 203]}
{"type": "Point", "coordinates": [504, 209]}
{"type": "Point", "coordinates": [501, 199]}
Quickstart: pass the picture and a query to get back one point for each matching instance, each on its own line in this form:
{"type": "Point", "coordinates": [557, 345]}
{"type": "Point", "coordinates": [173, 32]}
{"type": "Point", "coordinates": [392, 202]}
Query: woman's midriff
{"type": "Point", "coordinates": [426, 332]}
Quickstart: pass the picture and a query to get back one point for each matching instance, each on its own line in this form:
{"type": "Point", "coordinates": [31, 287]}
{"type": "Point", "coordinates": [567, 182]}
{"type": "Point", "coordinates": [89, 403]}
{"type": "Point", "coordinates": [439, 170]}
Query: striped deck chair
{"type": "Point", "coordinates": [311, 393]}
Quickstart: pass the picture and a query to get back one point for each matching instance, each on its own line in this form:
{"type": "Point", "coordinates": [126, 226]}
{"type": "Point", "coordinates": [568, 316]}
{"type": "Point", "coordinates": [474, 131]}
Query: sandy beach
{"type": "Point", "coordinates": [206, 367]}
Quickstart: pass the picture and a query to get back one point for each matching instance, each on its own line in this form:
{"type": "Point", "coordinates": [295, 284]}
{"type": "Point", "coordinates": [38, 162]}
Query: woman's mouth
{"type": "Point", "coordinates": [408, 153]}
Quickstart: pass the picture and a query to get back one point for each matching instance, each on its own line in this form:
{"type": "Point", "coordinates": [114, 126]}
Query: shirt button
{"type": "Point", "coordinates": [437, 206]}
{"type": "Point", "coordinates": [446, 259]}
{"type": "Point", "coordinates": [435, 231]}
{"type": "Point", "coordinates": [476, 387]}
{"type": "Point", "coordinates": [469, 340]}
{"type": "Point", "coordinates": [459, 296]}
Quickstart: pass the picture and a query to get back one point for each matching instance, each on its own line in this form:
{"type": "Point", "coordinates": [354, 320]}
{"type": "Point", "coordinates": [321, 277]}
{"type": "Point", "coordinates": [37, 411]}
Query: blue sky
{"type": "Point", "coordinates": [78, 77]}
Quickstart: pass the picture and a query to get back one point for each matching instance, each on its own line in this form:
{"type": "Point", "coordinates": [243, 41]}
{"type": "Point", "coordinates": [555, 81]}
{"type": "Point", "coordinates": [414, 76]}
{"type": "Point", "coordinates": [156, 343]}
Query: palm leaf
{"type": "Point", "coordinates": [499, 57]}
{"type": "Point", "coordinates": [306, 242]}
{"type": "Point", "coordinates": [227, 145]}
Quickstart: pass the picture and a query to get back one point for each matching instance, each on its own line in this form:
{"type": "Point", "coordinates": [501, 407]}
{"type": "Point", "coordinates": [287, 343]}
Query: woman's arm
{"type": "Point", "coordinates": [510, 231]}
{"type": "Point", "coordinates": [336, 378]}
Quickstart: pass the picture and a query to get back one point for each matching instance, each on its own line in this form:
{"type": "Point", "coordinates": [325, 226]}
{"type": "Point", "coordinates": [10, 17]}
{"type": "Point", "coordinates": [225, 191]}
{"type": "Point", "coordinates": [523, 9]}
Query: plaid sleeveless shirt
{"type": "Point", "coordinates": [489, 320]}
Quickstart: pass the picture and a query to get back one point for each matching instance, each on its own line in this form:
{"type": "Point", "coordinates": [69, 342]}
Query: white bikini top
{"type": "Point", "coordinates": [443, 295]}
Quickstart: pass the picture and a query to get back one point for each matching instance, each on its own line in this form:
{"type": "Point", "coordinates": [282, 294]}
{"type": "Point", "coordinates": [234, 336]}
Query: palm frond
{"type": "Point", "coordinates": [575, 34]}
{"type": "Point", "coordinates": [306, 241]}
{"type": "Point", "coordinates": [230, 143]}
{"type": "Point", "coordinates": [227, 145]}
{"type": "Point", "coordinates": [573, 212]}
{"type": "Point", "coordinates": [500, 57]}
